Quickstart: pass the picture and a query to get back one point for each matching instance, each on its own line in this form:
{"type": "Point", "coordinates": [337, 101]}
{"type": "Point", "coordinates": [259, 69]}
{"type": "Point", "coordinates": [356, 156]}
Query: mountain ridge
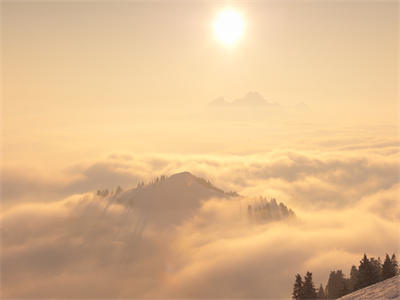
{"type": "Point", "coordinates": [179, 191]}
{"type": "Point", "coordinates": [170, 199]}
{"type": "Point", "coordinates": [251, 99]}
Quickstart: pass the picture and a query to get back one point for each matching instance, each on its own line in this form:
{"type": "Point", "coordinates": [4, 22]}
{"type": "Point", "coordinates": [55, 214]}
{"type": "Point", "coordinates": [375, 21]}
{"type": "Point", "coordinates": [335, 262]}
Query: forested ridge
{"type": "Point", "coordinates": [369, 271]}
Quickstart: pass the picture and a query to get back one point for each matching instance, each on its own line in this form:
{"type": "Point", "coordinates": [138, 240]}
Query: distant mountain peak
{"type": "Point", "coordinates": [251, 99]}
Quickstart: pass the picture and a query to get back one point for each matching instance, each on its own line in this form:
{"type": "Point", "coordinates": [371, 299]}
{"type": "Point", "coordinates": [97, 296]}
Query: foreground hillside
{"type": "Point", "coordinates": [387, 289]}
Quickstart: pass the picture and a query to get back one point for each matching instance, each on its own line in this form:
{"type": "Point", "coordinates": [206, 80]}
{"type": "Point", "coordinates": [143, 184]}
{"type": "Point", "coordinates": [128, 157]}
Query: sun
{"type": "Point", "coordinates": [228, 27]}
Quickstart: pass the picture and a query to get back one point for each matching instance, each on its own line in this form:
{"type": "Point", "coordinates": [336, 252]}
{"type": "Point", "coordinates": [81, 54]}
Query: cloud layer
{"type": "Point", "coordinates": [59, 240]}
{"type": "Point", "coordinates": [82, 247]}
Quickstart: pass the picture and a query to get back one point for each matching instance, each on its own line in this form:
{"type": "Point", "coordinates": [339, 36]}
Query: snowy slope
{"type": "Point", "coordinates": [387, 289]}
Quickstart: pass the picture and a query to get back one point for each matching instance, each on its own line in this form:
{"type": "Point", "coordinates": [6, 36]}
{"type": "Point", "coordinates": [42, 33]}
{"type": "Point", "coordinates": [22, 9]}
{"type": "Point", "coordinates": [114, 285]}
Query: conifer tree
{"type": "Point", "coordinates": [395, 265]}
{"type": "Point", "coordinates": [390, 267]}
{"type": "Point", "coordinates": [365, 277]}
{"type": "Point", "coordinates": [309, 289]}
{"type": "Point", "coordinates": [321, 292]}
{"type": "Point", "coordinates": [336, 286]}
{"type": "Point", "coordinates": [298, 292]}
{"type": "Point", "coordinates": [376, 270]}
{"type": "Point", "coordinates": [387, 268]}
{"type": "Point", "coordinates": [353, 278]}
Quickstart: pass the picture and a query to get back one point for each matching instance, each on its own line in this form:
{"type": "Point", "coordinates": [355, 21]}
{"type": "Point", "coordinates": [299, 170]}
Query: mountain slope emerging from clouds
{"type": "Point", "coordinates": [387, 289]}
{"type": "Point", "coordinates": [180, 191]}
{"type": "Point", "coordinates": [170, 200]}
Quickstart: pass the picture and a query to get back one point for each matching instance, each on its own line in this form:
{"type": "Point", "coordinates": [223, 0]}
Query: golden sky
{"type": "Point", "coordinates": [164, 53]}
{"type": "Point", "coordinates": [75, 71]}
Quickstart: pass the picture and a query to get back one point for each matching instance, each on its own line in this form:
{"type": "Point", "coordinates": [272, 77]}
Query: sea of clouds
{"type": "Point", "coordinates": [60, 240]}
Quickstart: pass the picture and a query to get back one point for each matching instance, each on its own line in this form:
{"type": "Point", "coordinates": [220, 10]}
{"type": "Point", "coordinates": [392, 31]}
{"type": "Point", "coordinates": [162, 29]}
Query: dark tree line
{"type": "Point", "coordinates": [304, 289]}
{"type": "Point", "coordinates": [369, 271]}
{"type": "Point", "coordinates": [268, 210]}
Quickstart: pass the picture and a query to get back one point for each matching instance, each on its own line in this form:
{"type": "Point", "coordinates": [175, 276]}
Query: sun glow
{"type": "Point", "coordinates": [228, 27]}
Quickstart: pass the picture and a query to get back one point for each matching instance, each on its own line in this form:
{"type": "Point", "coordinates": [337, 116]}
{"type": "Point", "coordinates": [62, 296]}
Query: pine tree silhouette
{"type": "Point", "coordinates": [321, 293]}
{"type": "Point", "coordinates": [298, 292]}
{"type": "Point", "coordinates": [376, 270]}
{"type": "Point", "coordinates": [353, 278]}
{"type": "Point", "coordinates": [395, 265]}
{"type": "Point", "coordinates": [365, 277]}
{"type": "Point", "coordinates": [387, 268]}
{"type": "Point", "coordinates": [309, 289]}
{"type": "Point", "coordinates": [336, 286]}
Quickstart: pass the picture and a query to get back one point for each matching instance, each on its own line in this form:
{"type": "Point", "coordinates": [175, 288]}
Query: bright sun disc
{"type": "Point", "coordinates": [228, 27]}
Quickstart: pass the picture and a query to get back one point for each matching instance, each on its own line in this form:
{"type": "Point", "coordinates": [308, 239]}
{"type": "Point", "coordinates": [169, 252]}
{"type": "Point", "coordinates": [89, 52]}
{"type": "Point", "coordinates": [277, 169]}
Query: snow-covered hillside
{"type": "Point", "coordinates": [387, 289]}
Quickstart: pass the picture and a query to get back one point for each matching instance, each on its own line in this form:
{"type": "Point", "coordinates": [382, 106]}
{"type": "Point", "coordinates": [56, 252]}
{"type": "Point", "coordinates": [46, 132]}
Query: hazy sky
{"type": "Point", "coordinates": [135, 54]}
{"type": "Point", "coordinates": [74, 72]}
